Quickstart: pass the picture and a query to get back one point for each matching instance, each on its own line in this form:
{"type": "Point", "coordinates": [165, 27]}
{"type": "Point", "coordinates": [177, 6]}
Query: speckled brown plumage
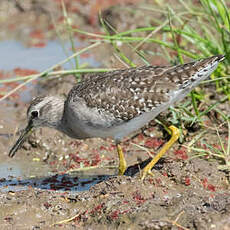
{"type": "Point", "coordinates": [130, 92]}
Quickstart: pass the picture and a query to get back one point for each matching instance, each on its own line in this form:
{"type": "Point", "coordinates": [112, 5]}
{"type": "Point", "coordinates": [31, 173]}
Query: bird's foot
{"type": "Point", "coordinates": [146, 171]}
{"type": "Point", "coordinates": [174, 137]}
{"type": "Point", "coordinates": [121, 170]}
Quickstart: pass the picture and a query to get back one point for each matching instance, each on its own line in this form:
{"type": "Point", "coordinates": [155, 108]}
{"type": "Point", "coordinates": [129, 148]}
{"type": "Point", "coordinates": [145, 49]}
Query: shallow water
{"type": "Point", "coordinates": [20, 175]}
{"type": "Point", "coordinates": [13, 54]}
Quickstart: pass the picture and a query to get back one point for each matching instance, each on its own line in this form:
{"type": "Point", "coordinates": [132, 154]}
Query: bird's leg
{"type": "Point", "coordinates": [122, 162]}
{"type": "Point", "coordinates": [174, 137]}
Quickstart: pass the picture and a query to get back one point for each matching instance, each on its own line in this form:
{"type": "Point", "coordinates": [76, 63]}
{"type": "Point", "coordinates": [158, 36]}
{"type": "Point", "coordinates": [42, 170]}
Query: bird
{"type": "Point", "coordinates": [117, 103]}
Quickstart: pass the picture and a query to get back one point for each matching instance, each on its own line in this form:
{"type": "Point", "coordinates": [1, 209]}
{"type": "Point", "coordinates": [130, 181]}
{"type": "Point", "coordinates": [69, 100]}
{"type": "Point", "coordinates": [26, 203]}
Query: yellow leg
{"type": "Point", "coordinates": [174, 137]}
{"type": "Point", "coordinates": [122, 162]}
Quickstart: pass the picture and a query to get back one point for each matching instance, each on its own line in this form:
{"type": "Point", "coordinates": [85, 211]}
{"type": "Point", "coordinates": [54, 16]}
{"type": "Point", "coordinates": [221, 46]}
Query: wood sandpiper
{"type": "Point", "coordinates": [117, 103]}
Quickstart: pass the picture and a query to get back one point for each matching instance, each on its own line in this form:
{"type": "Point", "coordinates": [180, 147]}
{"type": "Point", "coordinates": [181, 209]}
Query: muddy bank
{"type": "Point", "coordinates": [167, 201]}
{"type": "Point", "coordinates": [55, 182]}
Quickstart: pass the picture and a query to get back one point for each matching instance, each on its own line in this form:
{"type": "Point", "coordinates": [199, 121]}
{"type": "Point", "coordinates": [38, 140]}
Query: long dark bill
{"type": "Point", "coordinates": [21, 139]}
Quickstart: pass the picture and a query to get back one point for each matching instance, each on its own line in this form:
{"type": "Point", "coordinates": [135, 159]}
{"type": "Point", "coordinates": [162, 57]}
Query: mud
{"type": "Point", "coordinates": [55, 182]}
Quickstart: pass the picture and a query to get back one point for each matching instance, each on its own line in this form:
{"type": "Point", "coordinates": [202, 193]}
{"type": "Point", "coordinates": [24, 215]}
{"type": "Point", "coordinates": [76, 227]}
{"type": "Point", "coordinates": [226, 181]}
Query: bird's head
{"type": "Point", "coordinates": [43, 111]}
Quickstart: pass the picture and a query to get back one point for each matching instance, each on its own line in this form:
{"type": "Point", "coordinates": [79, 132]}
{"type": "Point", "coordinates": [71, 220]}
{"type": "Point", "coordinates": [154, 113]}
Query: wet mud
{"type": "Point", "coordinates": [55, 182]}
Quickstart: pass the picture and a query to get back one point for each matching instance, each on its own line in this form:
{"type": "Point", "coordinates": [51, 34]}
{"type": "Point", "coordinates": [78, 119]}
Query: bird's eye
{"type": "Point", "coordinates": [34, 114]}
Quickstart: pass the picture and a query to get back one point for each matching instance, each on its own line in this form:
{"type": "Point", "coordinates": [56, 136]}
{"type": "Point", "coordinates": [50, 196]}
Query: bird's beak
{"type": "Point", "coordinates": [21, 139]}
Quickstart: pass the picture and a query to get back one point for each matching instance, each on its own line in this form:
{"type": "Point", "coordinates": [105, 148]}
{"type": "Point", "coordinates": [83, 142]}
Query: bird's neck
{"type": "Point", "coordinates": [59, 120]}
{"type": "Point", "coordinates": [55, 111]}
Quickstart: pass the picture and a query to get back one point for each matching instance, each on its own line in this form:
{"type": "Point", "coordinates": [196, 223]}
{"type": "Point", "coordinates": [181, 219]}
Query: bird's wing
{"type": "Point", "coordinates": [128, 93]}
